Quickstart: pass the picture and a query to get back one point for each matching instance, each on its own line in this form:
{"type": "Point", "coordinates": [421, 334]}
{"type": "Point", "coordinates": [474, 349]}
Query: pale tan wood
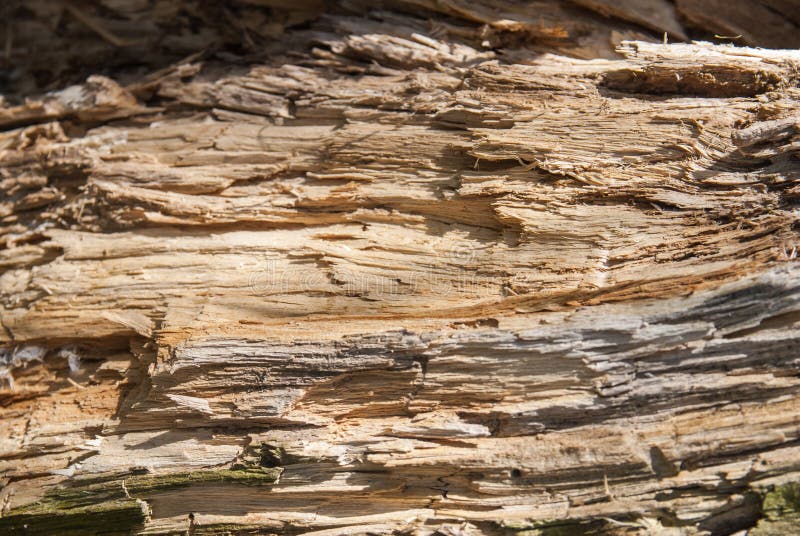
{"type": "Point", "coordinates": [401, 277]}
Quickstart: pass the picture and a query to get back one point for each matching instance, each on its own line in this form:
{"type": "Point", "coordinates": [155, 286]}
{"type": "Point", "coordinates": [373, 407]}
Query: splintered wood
{"type": "Point", "coordinates": [395, 281]}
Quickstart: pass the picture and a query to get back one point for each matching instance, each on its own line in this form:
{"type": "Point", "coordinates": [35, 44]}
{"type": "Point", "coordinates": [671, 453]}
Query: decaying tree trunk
{"type": "Point", "coordinates": [415, 267]}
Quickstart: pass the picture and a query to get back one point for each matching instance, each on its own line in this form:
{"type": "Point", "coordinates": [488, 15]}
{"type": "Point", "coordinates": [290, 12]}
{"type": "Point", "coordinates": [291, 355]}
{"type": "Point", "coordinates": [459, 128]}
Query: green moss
{"type": "Point", "coordinates": [780, 512]}
{"type": "Point", "coordinates": [111, 506]}
{"type": "Point", "coordinates": [142, 485]}
{"type": "Point", "coordinates": [47, 517]}
{"type": "Point", "coordinates": [783, 499]}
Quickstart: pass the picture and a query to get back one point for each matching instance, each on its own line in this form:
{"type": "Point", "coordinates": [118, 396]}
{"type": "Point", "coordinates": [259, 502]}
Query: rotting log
{"type": "Point", "coordinates": [418, 267]}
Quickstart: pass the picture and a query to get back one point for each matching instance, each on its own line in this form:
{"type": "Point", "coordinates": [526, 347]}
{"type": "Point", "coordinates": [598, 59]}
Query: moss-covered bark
{"type": "Point", "coordinates": [781, 512]}
{"type": "Point", "coordinates": [116, 506]}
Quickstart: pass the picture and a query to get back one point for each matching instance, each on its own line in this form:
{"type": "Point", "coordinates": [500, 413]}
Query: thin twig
{"type": "Point", "coordinates": [96, 27]}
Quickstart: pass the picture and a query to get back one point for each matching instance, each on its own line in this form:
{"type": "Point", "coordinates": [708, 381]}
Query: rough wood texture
{"type": "Point", "coordinates": [437, 268]}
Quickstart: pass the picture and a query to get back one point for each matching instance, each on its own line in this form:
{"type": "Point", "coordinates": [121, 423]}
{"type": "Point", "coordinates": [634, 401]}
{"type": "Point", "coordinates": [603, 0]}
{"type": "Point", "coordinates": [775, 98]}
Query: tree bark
{"type": "Point", "coordinates": [433, 267]}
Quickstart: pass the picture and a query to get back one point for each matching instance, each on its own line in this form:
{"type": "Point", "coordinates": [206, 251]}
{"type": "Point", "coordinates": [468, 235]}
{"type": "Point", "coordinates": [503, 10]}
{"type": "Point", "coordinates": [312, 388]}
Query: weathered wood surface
{"type": "Point", "coordinates": [407, 275]}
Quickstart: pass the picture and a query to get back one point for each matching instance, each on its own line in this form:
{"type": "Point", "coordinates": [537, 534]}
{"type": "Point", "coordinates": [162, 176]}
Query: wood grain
{"type": "Point", "coordinates": [459, 270]}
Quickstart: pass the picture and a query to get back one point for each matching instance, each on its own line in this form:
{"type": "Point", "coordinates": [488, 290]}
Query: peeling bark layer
{"type": "Point", "coordinates": [424, 272]}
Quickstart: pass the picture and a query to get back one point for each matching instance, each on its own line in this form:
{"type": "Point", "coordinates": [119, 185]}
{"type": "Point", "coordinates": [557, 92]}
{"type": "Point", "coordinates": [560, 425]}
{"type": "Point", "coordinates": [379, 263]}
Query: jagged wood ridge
{"type": "Point", "coordinates": [394, 281]}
